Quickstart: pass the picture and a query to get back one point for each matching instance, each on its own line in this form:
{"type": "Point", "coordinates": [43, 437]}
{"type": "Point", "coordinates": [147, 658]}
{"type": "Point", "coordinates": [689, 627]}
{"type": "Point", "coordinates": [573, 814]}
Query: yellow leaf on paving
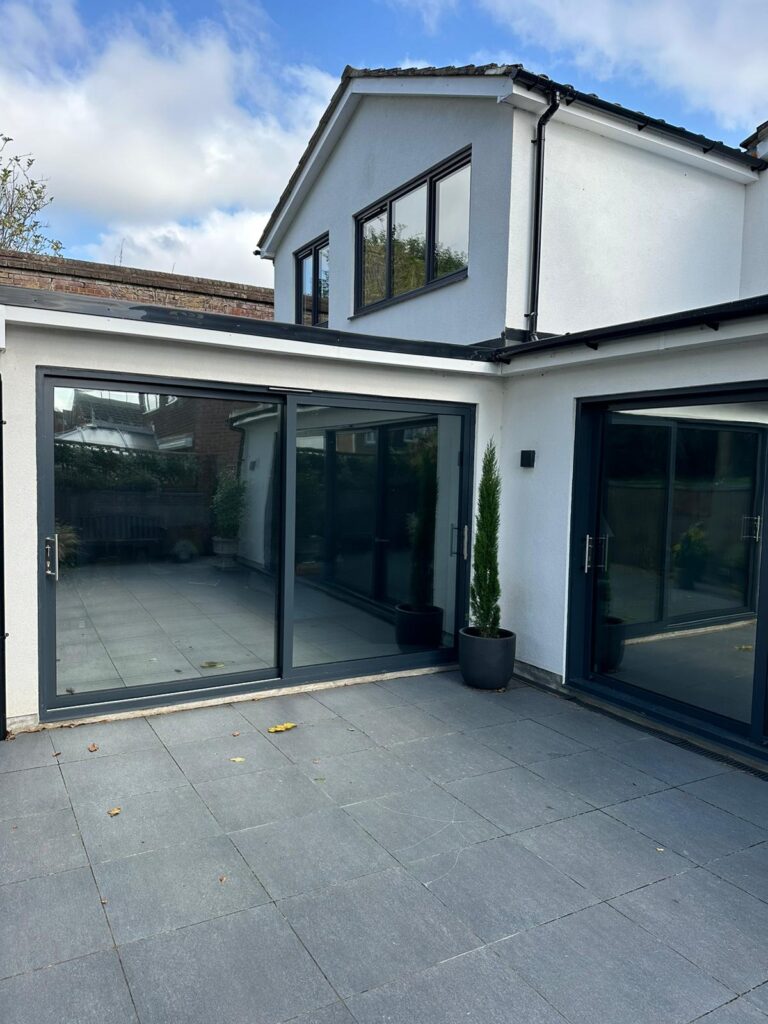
{"type": "Point", "coordinates": [237, 760]}
{"type": "Point", "coordinates": [114, 811]}
{"type": "Point", "coordinates": [283, 727]}
{"type": "Point", "coordinates": [93, 747]}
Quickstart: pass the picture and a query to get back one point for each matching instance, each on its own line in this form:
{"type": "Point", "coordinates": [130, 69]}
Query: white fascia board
{"type": "Point", "coordinates": [698, 338]}
{"type": "Point", "coordinates": [581, 116]}
{"type": "Point", "coordinates": [3, 311]}
{"type": "Point", "coordinates": [494, 87]}
{"type": "Point", "coordinates": [118, 328]}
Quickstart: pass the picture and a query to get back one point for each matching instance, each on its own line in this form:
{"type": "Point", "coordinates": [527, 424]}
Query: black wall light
{"type": "Point", "coordinates": [527, 458]}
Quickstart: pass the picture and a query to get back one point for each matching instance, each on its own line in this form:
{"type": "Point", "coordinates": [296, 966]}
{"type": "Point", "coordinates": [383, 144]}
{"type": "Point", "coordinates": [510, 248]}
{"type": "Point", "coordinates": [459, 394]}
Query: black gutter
{"type": "Point", "coordinates": [66, 302]}
{"type": "Point", "coordinates": [539, 139]}
{"type": "Point", "coordinates": [545, 85]}
{"type": "Point", "coordinates": [706, 316]}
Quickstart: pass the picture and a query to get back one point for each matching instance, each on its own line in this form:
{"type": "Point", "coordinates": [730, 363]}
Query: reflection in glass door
{"type": "Point", "coordinates": [676, 553]}
{"type": "Point", "coordinates": [167, 526]}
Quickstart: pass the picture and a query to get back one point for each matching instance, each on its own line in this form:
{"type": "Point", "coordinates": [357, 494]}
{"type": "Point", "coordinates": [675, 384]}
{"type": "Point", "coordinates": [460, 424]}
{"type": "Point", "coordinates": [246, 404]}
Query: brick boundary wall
{"type": "Point", "coordinates": [150, 287]}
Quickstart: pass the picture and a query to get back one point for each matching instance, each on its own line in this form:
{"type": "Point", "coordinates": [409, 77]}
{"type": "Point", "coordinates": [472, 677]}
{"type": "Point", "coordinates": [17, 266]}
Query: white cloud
{"type": "Point", "coordinates": [145, 125]}
{"type": "Point", "coordinates": [714, 53]}
{"type": "Point", "coordinates": [218, 245]}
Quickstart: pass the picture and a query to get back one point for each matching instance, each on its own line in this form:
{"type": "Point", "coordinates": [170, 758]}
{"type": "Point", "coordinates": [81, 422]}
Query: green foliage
{"type": "Point", "coordinates": [228, 505]}
{"type": "Point", "coordinates": [409, 263]}
{"type": "Point", "coordinates": [485, 590]}
{"type": "Point", "coordinates": [69, 543]}
{"type": "Point", "coordinates": [421, 523]}
{"type": "Point", "coordinates": [22, 198]}
{"type": "Point", "coordinates": [95, 467]}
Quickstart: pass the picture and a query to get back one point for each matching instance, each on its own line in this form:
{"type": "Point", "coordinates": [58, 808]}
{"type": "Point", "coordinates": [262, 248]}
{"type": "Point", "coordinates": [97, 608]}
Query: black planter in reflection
{"type": "Point", "coordinates": [486, 663]}
{"type": "Point", "coordinates": [418, 628]}
{"type": "Point", "coordinates": [609, 647]}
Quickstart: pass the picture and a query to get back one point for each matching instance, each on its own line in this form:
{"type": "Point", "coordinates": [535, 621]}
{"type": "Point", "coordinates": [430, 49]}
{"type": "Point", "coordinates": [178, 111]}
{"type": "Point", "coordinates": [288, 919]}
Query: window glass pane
{"type": "Point", "coordinates": [305, 266]}
{"type": "Point", "coordinates": [167, 513]}
{"type": "Point", "coordinates": [322, 285]}
{"type": "Point", "coordinates": [409, 241]}
{"type": "Point", "coordinates": [452, 228]}
{"type": "Point", "coordinates": [374, 259]}
{"type": "Point", "coordinates": [377, 514]}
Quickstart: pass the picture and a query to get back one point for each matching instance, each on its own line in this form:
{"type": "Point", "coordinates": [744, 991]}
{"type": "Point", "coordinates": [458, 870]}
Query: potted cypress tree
{"type": "Point", "coordinates": [418, 622]}
{"type": "Point", "coordinates": [228, 507]}
{"type": "Point", "coordinates": [486, 651]}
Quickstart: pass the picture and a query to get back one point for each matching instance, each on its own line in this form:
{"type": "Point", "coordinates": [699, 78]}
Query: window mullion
{"type": "Point", "coordinates": [431, 231]}
{"type": "Point", "coordinates": [389, 251]}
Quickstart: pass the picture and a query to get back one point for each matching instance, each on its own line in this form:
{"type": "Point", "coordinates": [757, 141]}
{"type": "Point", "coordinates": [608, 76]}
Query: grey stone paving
{"type": "Point", "coordinates": [413, 853]}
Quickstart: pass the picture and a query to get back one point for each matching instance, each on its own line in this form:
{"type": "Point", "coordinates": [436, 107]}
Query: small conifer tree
{"type": "Point", "coordinates": [485, 590]}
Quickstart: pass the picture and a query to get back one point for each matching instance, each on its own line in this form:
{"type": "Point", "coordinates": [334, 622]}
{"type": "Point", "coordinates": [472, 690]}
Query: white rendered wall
{"type": "Point", "coordinates": [754, 264]}
{"type": "Point", "coordinates": [539, 413]}
{"type": "Point", "coordinates": [389, 141]}
{"type": "Point", "coordinates": [627, 234]}
{"type": "Point", "coordinates": [30, 347]}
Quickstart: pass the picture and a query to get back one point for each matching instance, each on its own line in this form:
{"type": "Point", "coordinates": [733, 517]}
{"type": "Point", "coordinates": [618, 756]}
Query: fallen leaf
{"type": "Point", "coordinates": [114, 811]}
{"type": "Point", "coordinates": [235, 733]}
{"type": "Point", "coordinates": [659, 849]}
{"type": "Point", "coordinates": [222, 878]}
{"type": "Point", "coordinates": [103, 902]}
{"type": "Point", "coordinates": [238, 760]}
{"type": "Point", "coordinates": [10, 736]}
{"type": "Point", "coordinates": [57, 754]}
{"type": "Point", "coordinates": [70, 690]}
{"type": "Point", "coordinates": [211, 664]}
{"type": "Point", "coordinates": [93, 747]}
{"type": "Point", "coordinates": [319, 779]}
{"type": "Point", "coordinates": [283, 727]}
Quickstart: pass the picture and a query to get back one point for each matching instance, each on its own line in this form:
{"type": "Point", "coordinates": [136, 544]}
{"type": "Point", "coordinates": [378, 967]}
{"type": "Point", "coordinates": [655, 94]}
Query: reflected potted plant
{"type": "Point", "coordinates": [419, 623]}
{"type": "Point", "coordinates": [486, 651]}
{"type": "Point", "coordinates": [690, 556]}
{"type": "Point", "coordinates": [228, 508]}
{"type": "Point", "coordinates": [609, 632]}
{"type": "Point", "coordinates": [69, 544]}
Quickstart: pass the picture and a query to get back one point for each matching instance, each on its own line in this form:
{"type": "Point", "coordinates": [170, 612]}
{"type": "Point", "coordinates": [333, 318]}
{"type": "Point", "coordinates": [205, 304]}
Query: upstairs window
{"type": "Point", "coordinates": [312, 274]}
{"type": "Point", "coordinates": [416, 237]}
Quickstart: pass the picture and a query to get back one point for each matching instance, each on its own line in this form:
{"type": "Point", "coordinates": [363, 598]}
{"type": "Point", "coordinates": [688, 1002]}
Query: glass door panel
{"type": "Point", "coordinates": [377, 520]}
{"type": "Point", "coordinates": [676, 552]}
{"type": "Point", "coordinates": [167, 519]}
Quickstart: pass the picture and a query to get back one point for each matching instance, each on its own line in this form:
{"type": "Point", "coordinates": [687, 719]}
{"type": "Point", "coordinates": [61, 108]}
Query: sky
{"type": "Point", "coordinates": [166, 131]}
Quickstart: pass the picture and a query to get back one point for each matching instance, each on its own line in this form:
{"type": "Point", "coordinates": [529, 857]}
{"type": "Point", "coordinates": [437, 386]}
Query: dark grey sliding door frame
{"type": "Point", "coordinates": [55, 706]}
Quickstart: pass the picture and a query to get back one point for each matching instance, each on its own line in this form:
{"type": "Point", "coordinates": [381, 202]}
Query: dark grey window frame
{"type": "Point", "coordinates": [56, 707]}
{"type": "Point", "coordinates": [311, 249]}
{"type": "Point", "coordinates": [431, 177]}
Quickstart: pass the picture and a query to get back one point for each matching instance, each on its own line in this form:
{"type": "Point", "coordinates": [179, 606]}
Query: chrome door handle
{"type": "Point", "coordinates": [51, 553]}
{"type": "Point", "coordinates": [588, 548]}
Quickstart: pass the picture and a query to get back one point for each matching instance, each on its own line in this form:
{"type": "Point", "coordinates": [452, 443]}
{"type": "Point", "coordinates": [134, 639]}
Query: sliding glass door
{"type": "Point", "coordinates": [671, 558]}
{"type": "Point", "coordinates": [194, 538]}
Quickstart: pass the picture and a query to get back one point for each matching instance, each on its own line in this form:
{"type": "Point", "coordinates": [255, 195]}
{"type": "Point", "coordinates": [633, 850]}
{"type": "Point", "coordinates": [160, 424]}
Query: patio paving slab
{"type": "Point", "coordinates": [588, 727]}
{"type": "Point", "coordinates": [419, 689]}
{"type": "Point", "coordinates": [158, 892]}
{"type": "Point", "coordinates": [740, 1011]}
{"type": "Point", "coordinates": [748, 869]}
{"type": "Point", "coordinates": [247, 968]}
{"type": "Point", "coordinates": [346, 700]}
{"type": "Point", "coordinates": [526, 742]}
{"type": "Point", "coordinates": [718, 927]}
{"type": "Point", "coordinates": [301, 708]}
{"type": "Point", "coordinates": [499, 887]}
{"type": "Point", "coordinates": [262, 797]}
{"type": "Point", "coordinates": [759, 997]}
{"type": "Point", "coordinates": [34, 751]}
{"type": "Point", "coordinates": [399, 724]}
{"type": "Point", "coordinates": [368, 931]}
{"type": "Point", "coordinates": [310, 852]}
{"type": "Point", "coordinates": [31, 791]}
{"type": "Point", "coordinates": [464, 711]}
{"type": "Point", "coordinates": [121, 775]}
{"type": "Point", "coordinates": [122, 737]}
{"type": "Point", "coordinates": [90, 990]}
{"type": "Point", "coordinates": [475, 987]}
{"type": "Point", "coordinates": [148, 821]}
{"type": "Point", "coordinates": [446, 758]}
{"type": "Point", "coordinates": [198, 724]}
{"type": "Point", "coordinates": [741, 794]}
{"type": "Point", "coordinates": [335, 1014]}
{"type": "Point", "coordinates": [516, 799]}
{"type": "Point", "coordinates": [687, 825]}
{"type": "Point", "coordinates": [422, 823]}
{"type": "Point", "coordinates": [40, 844]}
{"type": "Point", "coordinates": [666, 761]}
{"type": "Point", "coordinates": [595, 777]}
{"type": "Point", "coordinates": [50, 919]}
{"type": "Point", "coordinates": [603, 854]}
{"type": "Point", "coordinates": [323, 739]}
{"type": "Point", "coordinates": [362, 775]}
{"type": "Point", "coordinates": [203, 760]}
{"type": "Point", "coordinates": [598, 966]}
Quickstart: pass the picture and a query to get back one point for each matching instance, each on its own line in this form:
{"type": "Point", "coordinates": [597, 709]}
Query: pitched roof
{"type": "Point", "coordinates": [533, 83]}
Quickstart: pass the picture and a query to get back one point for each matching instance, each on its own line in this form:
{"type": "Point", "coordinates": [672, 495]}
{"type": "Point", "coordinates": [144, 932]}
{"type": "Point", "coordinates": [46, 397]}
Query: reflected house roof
{"type": "Point", "coordinates": [111, 434]}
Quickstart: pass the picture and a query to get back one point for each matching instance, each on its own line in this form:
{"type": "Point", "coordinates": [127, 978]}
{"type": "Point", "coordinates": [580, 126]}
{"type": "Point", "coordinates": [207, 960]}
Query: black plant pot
{"type": "Point", "coordinates": [609, 648]}
{"type": "Point", "coordinates": [487, 663]}
{"type": "Point", "coordinates": [418, 628]}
